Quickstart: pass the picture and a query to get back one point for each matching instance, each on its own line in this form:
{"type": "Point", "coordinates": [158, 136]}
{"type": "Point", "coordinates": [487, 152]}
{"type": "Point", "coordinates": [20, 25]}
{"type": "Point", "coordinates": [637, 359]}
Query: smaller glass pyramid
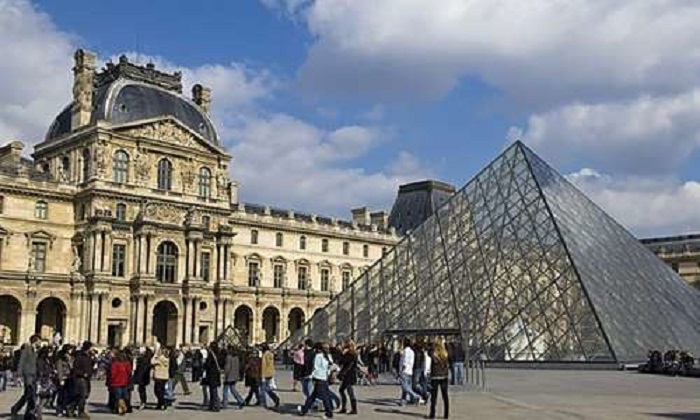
{"type": "Point", "coordinates": [527, 269]}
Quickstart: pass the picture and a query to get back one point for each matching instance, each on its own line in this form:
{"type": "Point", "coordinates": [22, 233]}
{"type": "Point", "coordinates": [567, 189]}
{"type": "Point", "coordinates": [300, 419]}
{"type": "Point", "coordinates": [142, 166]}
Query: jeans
{"type": "Point", "coordinates": [347, 388]}
{"type": "Point", "coordinates": [28, 395]}
{"type": "Point", "coordinates": [120, 393]}
{"type": "Point", "coordinates": [266, 391]}
{"type": "Point", "coordinates": [214, 397]}
{"type": "Point", "coordinates": [159, 390]}
{"type": "Point", "coordinates": [458, 369]}
{"type": "Point", "coordinates": [306, 387]}
{"type": "Point", "coordinates": [406, 389]}
{"type": "Point", "coordinates": [321, 392]}
{"type": "Point", "coordinates": [143, 396]}
{"type": "Point", "coordinates": [230, 389]}
{"type": "Point", "coordinates": [82, 390]}
{"type": "Point", "coordinates": [3, 380]}
{"type": "Point", "coordinates": [180, 378]}
{"type": "Point", "coordinates": [442, 384]}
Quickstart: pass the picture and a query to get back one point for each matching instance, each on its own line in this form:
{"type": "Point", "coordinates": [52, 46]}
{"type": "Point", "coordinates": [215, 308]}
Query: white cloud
{"type": "Point", "coordinates": [35, 73]}
{"type": "Point", "coordinates": [647, 135]}
{"type": "Point", "coordinates": [538, 52]}
{"type": "Point", "coordinates": [287, 162]}
{"type": "Point", "coordinates": [649, 206]}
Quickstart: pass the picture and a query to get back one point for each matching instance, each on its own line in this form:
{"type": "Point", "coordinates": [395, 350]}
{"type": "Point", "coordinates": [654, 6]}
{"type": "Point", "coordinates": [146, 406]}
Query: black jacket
{"type": "Point", "coordinates": [309, 355]}
{"type": "Point", "coordinates": [348, 369]}
{"type": "Point", "coordinates": [212, 366]}
{"type": "Point", "coordinates": [82, 366]}
{"type": "Point", "coordinates": [142, 373]}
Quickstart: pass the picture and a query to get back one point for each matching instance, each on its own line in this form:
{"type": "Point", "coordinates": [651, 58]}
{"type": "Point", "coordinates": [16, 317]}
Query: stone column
{"type": "Point", "coordinates": [148, 321]}
{"type": "Point", "coordinates": [94, 315]}
{"type": "Point", "coordinates": [227, 263]}
{"type": "Point", "coordinates": [190, 259]}
{"type": "Point", "coordinates": [195, 320]}
{"type": "Point", "coordinates": [186, 326]}
{"type": "Point", "coordinates": [28, 320]}
{"type": "Point", "coordinates": [196, 269]}
{"type": "Point", "coordinates": [104, 304]}
{"type": "Point", "coordinates": [109, 240]}
{"type": "Point", "coordinates": [98, 251]}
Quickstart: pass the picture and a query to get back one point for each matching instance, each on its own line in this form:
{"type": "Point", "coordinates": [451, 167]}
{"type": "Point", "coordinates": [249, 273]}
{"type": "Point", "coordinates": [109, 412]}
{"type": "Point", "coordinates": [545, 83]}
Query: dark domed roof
{"type": "Point", "coordinates": [124, 101]}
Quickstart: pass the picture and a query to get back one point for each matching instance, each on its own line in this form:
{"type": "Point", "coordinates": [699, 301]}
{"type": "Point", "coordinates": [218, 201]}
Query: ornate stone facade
{"type": "Point", "coordinates": [126, 228]}
{"type": "Point", "coordinates": [681, 253]}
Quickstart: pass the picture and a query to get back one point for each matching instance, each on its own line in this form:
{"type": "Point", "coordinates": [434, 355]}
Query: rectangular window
{"type": "Point", "coordinates": [39, 254]}
{"type": "Point", "coordinates": [41, 211]}
{"type": "Point", "coordinates": [302, 277]}
{"type": "Point", "coordinates": [253, 272]}
{"type": "Point", "coordinates": [346, 280]}
{"type": "Point", "coordinates": [324, 245]}
{"type": "Point", "coordinates": [302, 242]}
{"type": "Point", "coordinates": [2, 204]}
{"type": "Point", "coordinates": [254, 237]}
{"type": "Point", "coordinates": [206, 263]}
{"type": "Point", "coordinates": [118, 260]}
{"type": "Point", "coordinates": [325, 279]}
{"type": "Point", "coordinates": [279, 239]}
{"type": "Point", "coordinates": [365, 250]}
{"type": "Point", "coordinates": [346, 248]}
{"type": "Point", "coordinates": [278, 275]}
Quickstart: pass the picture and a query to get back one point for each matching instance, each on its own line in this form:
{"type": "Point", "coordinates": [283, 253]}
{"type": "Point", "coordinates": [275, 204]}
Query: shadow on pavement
{"type": "Point", "coordinates": [682, 416]}
{"type": "Point", "coordinates": [399, 412]}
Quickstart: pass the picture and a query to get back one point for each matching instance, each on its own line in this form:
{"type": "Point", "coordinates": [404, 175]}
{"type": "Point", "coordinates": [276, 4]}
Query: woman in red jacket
{"type": "Point", "coordinates": [119, 381]}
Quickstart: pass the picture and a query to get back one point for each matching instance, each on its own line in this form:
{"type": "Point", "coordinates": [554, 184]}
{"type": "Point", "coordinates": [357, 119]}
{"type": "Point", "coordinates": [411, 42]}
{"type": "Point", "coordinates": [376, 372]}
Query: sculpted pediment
{"type": "Point", "coordinates": [169, 131]}
{"type": "Point", "coordinates": [162, 213]}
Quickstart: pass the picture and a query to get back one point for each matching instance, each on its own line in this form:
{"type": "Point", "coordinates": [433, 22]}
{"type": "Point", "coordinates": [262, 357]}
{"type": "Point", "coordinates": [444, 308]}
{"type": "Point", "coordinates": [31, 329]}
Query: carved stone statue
{"type": "Point", "coordinates": [31, 263]}
{"type": "Point", "coordinates": [100, 160]}
{"type": "Point", "coordinates": [188, 177]}
{"type": "Point", "coordinates": [222, 183]}
{"type": "Point", "coordinates": [77, 263]}
{"type": "Point", "coordinates": [142, 167]}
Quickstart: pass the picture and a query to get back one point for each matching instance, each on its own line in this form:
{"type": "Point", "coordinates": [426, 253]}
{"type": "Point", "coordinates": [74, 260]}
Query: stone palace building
{"type": "Point", "coordinates": [126, 228]}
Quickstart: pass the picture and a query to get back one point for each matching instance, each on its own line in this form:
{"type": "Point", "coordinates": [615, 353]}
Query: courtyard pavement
{"type": "Point", "coordinates": [510, 394]}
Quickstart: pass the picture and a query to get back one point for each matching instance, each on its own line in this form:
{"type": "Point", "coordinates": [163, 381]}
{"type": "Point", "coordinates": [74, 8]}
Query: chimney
{"type": "Point", "coordinates": [380, 218]}
{"type": "Point", "coordinates": [361, 216]}
{"type": "Point", "coordinates": [202, 97]}
{"type": "Point", "coordinates": [11, 153]}
{"type": "Point", "coordinates": [83, 75]}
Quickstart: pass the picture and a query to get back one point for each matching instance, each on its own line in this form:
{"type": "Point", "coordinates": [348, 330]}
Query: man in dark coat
{"type": "Point", "coordinates": [212, 367]}
{"type": "Point", "coordinates": [142, 375]}
{"type": "Point", "coordinates": [27, 369]}
{"type": "Point", "coordinates": [82, 373]}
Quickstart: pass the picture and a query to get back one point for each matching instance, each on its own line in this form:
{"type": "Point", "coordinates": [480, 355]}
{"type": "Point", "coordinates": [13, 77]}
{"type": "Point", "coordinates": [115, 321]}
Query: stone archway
{"type": "Point", "coordinates": [50, 318]}
{"type": "Point", "coordinates": [165, 323]}
{"type": "Point", "coordinates": [270, 324]}
{"type": "Point", "coordinates": [243, 322]}
{"type": "Point", "coordinates": [296, 320]}
{"type": "Point", "coordinates": [10, 315]}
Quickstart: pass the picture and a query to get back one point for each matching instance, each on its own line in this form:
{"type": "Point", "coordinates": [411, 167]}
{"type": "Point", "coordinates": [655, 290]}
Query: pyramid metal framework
{"type": "Point", "coordinates": [527, 268]}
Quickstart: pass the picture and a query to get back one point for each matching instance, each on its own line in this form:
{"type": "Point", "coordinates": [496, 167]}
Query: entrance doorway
{"type": "Point", "coordinates": [270, 321]}
{"type": "Point", "coordinates": [243, 322]}
{"type": "Point", "coordinates": [296, 320]}
{"type": "Point", "coordinates": [50, 318]}
{"type": "Point", "coordinates": [165, 323]}
{"type": "Point", "coordinates": [10, 312]}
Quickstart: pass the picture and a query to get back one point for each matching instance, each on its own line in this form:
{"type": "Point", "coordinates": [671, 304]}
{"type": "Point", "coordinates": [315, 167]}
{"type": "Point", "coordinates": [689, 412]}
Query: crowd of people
{"type": "Point", "coordinates": [59, 378]}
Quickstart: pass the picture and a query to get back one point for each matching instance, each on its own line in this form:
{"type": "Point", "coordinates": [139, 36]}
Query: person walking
{"type": "Point", "coordinates": [406, 371]}
{"type": "Point", "coordinates": [64, 366]}
{"type": "Point", "coordinates": [307, 369]}
{"type": "Point", "coordinates": [232, 374]}
{"type": "Point", "coordinates": [253, 368]}
{"type": "Point", "coordinates": [212, 370]}
{"type": "Point", "coordinates": [161, 366]}
{"type": "Point", "coordinates": [439, 374]}
{"type": "Point", "coordinates": [177, 370]}
{"type": "Point", "coordinates": [348, 377]}
{"type": "Point", "coordinates": [83, 368]}
{"type": "Point", "coordinates": [26, 368]}
{"type": "Point", "coordinates": [268, 373]}
{"type": "Point", "coordinates": [320, 374]}
{"type": "Point", "coordinates": [298, 366]}
{"type": "Point", "coordinates": [459, 357]}
{"type": "Point", "coordinates": [142, 375]}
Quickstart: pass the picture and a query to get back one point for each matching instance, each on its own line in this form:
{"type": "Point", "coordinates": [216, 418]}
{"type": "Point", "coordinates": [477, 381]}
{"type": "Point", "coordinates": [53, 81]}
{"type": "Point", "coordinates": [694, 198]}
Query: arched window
{"type": "Point", "coordinates": [253, 236]}
{"type": "Point", "coordinates": [65, 168]}
{"type": "Point", "coordinates": [302, 242]}
{"type": "Point", "coordinates": [279, 239]}
{"type": "Point", "coordinates": [166, 268]}
{"type": "Point", "coordinates": [165, 175]}
{"type": "Point", "coordinates": [324, 245]}
{"type": "Point", "coordinates": [121, 212]}
{"type": "Point", "coordinates": [206, 222]}
{"type": "Point", "coordinates": [41, 211]}
{"type": "Point", "coordinates": [204, 183]}
{"type": "Point", "coordinates": [120, 171]}
{"type": "Point", "coordinates": [86, 164]}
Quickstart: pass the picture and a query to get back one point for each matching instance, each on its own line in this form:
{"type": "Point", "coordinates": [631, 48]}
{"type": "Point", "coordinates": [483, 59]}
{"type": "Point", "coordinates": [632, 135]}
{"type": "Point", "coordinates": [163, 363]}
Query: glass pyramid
{"type": "Point", "coordinates": [526, 268]}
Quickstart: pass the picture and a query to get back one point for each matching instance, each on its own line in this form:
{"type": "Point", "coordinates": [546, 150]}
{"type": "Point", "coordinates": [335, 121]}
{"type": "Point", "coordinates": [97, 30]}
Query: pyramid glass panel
{"type": "Point", "coordinates": [527, 269]}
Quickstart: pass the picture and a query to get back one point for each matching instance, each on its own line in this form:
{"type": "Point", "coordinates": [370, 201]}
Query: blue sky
{"type": "Point", "coordinates": [331, 104]}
